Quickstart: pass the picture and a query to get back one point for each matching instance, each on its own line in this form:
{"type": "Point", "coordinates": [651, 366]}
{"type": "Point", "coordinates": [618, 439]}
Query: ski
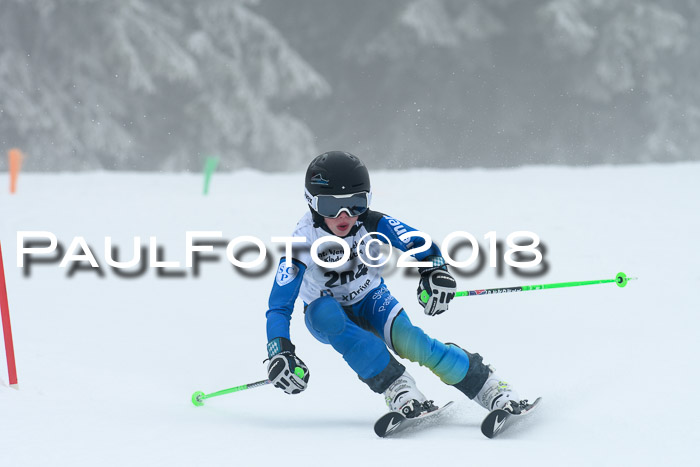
{"type": "Point", "coordinates": [394, 422]}
{"type": "Point", "coordinates": [497, 420]}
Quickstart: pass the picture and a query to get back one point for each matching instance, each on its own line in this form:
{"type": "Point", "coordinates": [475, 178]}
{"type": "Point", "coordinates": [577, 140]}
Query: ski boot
{"type": "Point", "coordinates": [404, 397]}
{"type": "Point", "coordinates": [498, 394]}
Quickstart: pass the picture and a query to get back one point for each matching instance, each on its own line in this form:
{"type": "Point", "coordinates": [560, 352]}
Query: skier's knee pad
{"type": "Point", "coordinates": [325, 316]}
{"type": "Point", "coordinates": [448, 362]}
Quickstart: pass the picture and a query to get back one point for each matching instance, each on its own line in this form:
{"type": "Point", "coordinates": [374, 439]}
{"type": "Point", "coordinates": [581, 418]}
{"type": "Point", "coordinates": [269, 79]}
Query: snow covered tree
{"type": "Point", "coordinates": [247, 70]}
{"type": "Point", "coordinates": [78, 65]}
{"type": "Point", "coordinates": [148, 84]}
{"type": "Point", "coordinates": [615, 49]}
{"type": "Point", "coordinates": [573, 81]}
{"type": "Point", "coordinates": [160, 84]}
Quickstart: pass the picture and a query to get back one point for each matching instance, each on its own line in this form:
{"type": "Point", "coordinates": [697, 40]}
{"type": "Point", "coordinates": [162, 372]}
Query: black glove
{"type": "Point", "coordinates": [285, 370]}
{"type": "Point", "coordinates": [436, 288]}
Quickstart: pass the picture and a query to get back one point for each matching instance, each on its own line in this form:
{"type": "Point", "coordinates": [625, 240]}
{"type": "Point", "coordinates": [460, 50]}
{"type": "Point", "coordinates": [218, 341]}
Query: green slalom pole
{"type": "Point", "coordinates": [620, 279]}
{"type": "Point", "coordinates": [198, 397]}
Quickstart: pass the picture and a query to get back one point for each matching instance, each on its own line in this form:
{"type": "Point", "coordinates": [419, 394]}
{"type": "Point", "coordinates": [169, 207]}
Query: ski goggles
{"type": "Point", "coordinates": [352, 204]}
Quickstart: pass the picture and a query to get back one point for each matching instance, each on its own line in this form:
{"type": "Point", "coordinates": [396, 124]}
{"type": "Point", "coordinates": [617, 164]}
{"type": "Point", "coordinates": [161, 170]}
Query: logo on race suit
{"type": "Point", "coordinates": [356, 293]}
{"type": "Point", "coordinates": [398, 227]}
{"type": "Point", "coordinates": [285, 274]}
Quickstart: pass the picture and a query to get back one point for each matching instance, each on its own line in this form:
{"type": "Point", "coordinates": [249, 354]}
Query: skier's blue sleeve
{"type": "Point", "coordinates": [392, 228]}
{"type": "Point", "coordinates": [282, 297]}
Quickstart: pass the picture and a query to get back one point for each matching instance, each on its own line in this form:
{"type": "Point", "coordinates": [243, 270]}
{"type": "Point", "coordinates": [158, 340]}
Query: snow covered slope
{"type": "Point", "coordinates": [107, 365]}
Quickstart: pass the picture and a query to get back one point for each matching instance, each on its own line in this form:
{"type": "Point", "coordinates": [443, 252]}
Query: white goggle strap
{"type": "Point", "coordinates": [310, 199]}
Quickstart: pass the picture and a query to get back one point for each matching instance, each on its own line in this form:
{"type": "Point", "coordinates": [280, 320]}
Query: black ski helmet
{"type": "Point", "coordinates": [335, 173]}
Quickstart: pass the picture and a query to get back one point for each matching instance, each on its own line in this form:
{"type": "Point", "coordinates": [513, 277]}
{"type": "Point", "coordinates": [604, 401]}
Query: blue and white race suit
{"type": "Point", "coordinates": [351, 308]}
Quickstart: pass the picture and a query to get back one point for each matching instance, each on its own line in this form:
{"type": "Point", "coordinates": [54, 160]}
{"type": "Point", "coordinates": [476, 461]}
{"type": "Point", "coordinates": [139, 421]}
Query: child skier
{"type": "Point", "coordinates": [351, 308]}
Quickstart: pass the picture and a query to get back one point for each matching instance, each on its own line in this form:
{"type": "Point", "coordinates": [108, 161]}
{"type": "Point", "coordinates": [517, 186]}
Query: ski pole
{"type": "Point", "coordinates": [198, 397]}
{"type": "Point", "coordinates": [620, 279]}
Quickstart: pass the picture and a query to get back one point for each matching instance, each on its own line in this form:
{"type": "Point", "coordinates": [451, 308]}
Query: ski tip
{"type": "Point", "coordinates": [446, 405]}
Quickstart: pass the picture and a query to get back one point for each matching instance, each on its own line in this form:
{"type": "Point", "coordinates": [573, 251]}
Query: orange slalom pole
{"type": "Point", "coordinates": [7, 329]}
{"type": "Point", "coordinates": [16, 157]}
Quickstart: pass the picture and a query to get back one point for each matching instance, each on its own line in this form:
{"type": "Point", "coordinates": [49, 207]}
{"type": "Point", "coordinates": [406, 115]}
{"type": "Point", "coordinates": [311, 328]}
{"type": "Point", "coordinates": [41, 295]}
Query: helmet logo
{"type": "Point", "coordinates": [319, 180]}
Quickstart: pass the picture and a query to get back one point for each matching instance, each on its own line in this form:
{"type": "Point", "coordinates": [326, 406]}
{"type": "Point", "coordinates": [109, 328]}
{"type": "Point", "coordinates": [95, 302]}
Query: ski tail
{"type": "Point", "coordinates": [394, 422]}
{"type": "Point", "coordinates": [498, 420]}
